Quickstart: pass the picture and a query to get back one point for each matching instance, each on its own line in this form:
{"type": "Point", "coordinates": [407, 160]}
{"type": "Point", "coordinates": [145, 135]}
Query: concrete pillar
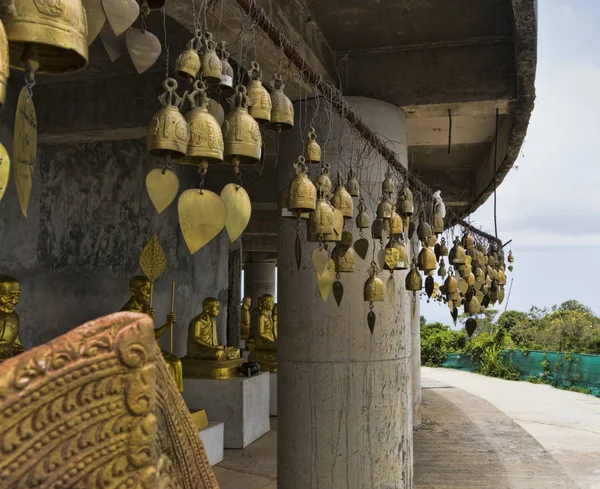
{"type": "Point", "coordinates": [344, 394]}
{"type": "Point", "coordinates": [259, 279]}
{"type": "Point", "coordinates": [415, 324]}
{"type": "Point", "coordinates": [234, 299]}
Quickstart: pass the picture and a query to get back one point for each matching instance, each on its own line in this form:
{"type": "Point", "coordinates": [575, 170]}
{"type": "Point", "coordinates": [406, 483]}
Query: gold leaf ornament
{"type": "Point", "coordinates": [202, 216]}
{"type": "Point", "coordinates": [152, 259]}
{"type": "Point", "coordinates": [325, 280]}
{"type": "Point", "coordinates": [4, 169]}
{"type": "Point", "coordinates": [319, 259]}
{"type": "Point", "coordinates": [239, 209]}
{"type": "Point", "coordinates": [96, 18]}
{"type": "Point", "coordinates": [121, 14]}
{"type": "Point", "coordinates": [24, 147]}
{"type": "Point", "coordinates": [162, 187]}
{"type": "Point", "coordinates": [144, 48]}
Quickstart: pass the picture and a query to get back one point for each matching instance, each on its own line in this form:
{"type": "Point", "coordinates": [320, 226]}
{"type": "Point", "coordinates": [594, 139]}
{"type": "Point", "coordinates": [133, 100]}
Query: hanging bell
{"type": "Point", "coordinates": [302, 193]}
{"type": "Point", "coordinates": [443, 248]}
{"type": "Point", "coordinates": [430, 241]}
{"type": "Point", "coordinates": [342, 200]}
{"type": "Point", "coordinates": [52, 35]}
{"type": "Point", "coordinates": [451, 284]}
{"type": "Point", "coordinates": [378, 227]}
{"type": "Point", "coordinates": [413, 281]}
{"type": "Point", "coordinates": [363, 221]}
{"type": "Point", "coordinates": [312, 152]}
{"type": "Point", "coordinates": [226, 82]}
{"type": "Point", "coordinates": [343, 257]}
{"type": "Point", "coordinates": [388, 186]}
{"type": "Point", "coordinates": [442, 270]}
{"type": "Point", "coordinates": [282, 114]}
{"type": "Point", "coordinates": [258, 96]}
{"type": "Point", "coordinates": [501, 277]}
{"type": "Point", "coordinates": [243, 142]}
{"type": "Point", "coordinates": [396, 226]}
{"type": "Point", "coordinates": [437, 224]}
{"type": "Point", "coordinates": [320, 222]}
{"type": "Point", "coordinates": [206, 139]}
{"type": "Point", "coordinates": [402, 263]}
{"type": "Point", "coordinates": [168, 133]}
{"type": "Point", "coordinates": [472, 305]}
{"type": "Point", "coordinates": [212, 70]}
{"type": "Point", "coordinates": [323, 181]}
{"type": "Point", "coordinates": [352, 185]}
{"type": "Point", "coordinates": [511, 257]}
{"type": "Point", "coordinates": [424, 230]}
{"type": "Point", "coordinates": [426, 260]}
{"type": "Point", "coordinates": [460, 256]}
{"type": "Point", "coordinates": [468, 241]}
{"type": "Point", "coordinates": [4, 64]}
{"type": "Point", "coordinates": [500, 294]}
{"type": "Point", "coordinates": [187, 64]}
{"type": "Point", "coordinates": [405, 202]}
{"type": "Point", "coordinates": [384, 209]}
{"type": "Point", "coordinates": [374, 290]}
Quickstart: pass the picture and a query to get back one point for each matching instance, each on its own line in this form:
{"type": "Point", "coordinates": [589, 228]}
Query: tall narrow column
{"type": "Point", "coordinates": [344, 394]}
{"type": "Point", "coordinates": [259, 279]}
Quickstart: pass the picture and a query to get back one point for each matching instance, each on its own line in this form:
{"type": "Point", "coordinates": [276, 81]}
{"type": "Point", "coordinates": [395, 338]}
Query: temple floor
{"type": "Point", "coordinates": [464, 442]}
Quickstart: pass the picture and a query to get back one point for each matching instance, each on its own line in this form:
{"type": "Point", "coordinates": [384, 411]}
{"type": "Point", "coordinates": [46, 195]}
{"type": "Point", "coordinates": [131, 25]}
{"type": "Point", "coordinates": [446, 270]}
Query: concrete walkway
{"type": "Point", "coordinates": [566, 424]}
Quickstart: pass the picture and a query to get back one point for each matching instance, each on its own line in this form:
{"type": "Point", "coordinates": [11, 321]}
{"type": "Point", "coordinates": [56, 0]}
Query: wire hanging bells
{"type": "Point", "coordinates": [282, 113]}
{"type": "Point", "coordinates": [4, 67]}
{"type": "Point", "coordinates": [187, 65]}
{"type": "Point", "coordinates": [312, 152]}
{"type": "Point", "coordinates": [168, 133]}
{"type": "Point", "coordinates": [243, 142]}
{"type": "Point", "coordinates": [342, 200]}
{"type": "Point", "coordinates": [302, 195]}
{"type": "Point", "coordinates": [352, 184]}
{"type": "Point", "coordinates": [47, 36]}
{"type": "Point", "coordinates": [259, 100]}
{"type": "Point", "coordinates": [211, 64]}
{"type": "Point", "coordinates": [226, 82]}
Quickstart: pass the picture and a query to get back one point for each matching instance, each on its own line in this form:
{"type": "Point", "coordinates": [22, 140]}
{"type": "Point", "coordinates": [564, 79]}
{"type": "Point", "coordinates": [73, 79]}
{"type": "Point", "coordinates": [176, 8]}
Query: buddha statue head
{"type": "Point", "coordinates": [140, 288]}
{"type": "Point", "coordinates": [10, 290]}
{"type": "Point", "coordinates": [266, 302]}
{"type": "Point", "coordinates": [246, 302]}
{"type": "Point", "coordinates": [211, 307]}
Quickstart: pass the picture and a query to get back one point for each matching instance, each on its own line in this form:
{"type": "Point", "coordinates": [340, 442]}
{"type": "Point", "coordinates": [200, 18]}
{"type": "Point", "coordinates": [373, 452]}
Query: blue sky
{"type": "Point", "coordinates": [549, 204]}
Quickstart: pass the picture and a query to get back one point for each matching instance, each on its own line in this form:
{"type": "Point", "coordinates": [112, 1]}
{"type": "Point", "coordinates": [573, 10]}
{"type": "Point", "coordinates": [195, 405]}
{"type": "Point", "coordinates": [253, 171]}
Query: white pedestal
{"type": "Point", "coordinates": [213, 438]}
{"type": "Point", "coordinates": [242, 403]}
{"type": "Point", "coordinates": [273, 395]}
{"type": "Point", "coordinates": [245, 354]}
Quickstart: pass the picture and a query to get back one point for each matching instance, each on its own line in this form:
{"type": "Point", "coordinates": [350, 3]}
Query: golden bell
{"type": "Point", "coordinates": [424, 230]}
{"type": "Point", "coordinates": [413, 281]}
{"type": "Point", "coordinates": [168, 133]}
{"type": "Point", "coordinates": [501, 277]}
{"type": "Point", "coordinates": [396, 227]}
{"type": "Point", "coordinates": [460, 256]}
{"type": "Point", "coordinates": [302, 193]}
{"type": "Point", "coordinates": [374, 290]}
{"type": "Point", "coordinates": [472, 306]}
{"type": "Point", "coordinates": [243, 142]}
{"type": "Point", "coordinates": [426, 259]}
{"type": "Point", "coordinates": [338, 223]}
{"type": "Point", "coordinates": [187, 64]}
{"type": "Point", "coordinates": [53, 33]}
{"type": "Point", "coordinates": [320, 223]}
{"type": "Point", "coordinates": [437, 224]}
{"type": "Point", "coordinates": [451, 284]}
{"type": "Point", "coordinates": [405, 202]}
{"type": "Point", "coordinates": [443, 248]}
{"type": "Point", "coordinates": [226, 82]}
{"type": "Point", "coordinates": [343, 257]}
{"type": "Point", "coordinates": [352, 185]}
{"type": "Point", "coordinates": [384, 209]}
{"type": "Point", "coordinates": [323, 181]}
{"type": "Point", "coordinates": [342, 200]}
{"type": "Point", "coordinates": [258, 96]}
{"type": "Point", "coordinates": [442, 270]}
{"type": "Point", "coordinates": [430, 241]}
{"type": "Point", "coordinates": [388, 184]}
{"type": "Point", "coordinates": [511, 258]}
{"type": "Point", "coordinates": [211, 64]}
{"type": "Point", "coordinates": [468, 241]}
{"type": "Point", "coordinates": [282, 113]}
{"type": "Point", "coordinates": [402, 253]}
{"type": "Point", "coordinates": [206, 139]}
{"type": "Point", "coordinates": [4, 64]}
{"type": "Point", "coordinates": [378, 227]}
{"type": "Point", "coordinates": [312, 152]}
{"type": "Point", "coordinates": [363, 220]}
{"type": "Point", "coordinates": [470, 278]}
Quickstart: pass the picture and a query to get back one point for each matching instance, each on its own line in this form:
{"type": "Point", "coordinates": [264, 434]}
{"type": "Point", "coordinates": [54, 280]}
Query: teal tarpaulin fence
{"type": "Point", "coordinates": [563, 369]}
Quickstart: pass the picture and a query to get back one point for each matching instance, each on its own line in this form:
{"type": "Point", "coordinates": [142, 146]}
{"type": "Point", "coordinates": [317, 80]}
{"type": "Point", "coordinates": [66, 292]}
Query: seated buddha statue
{"type": "Point", "coordinates": [10, 343]}
{"type": "Point", "coordinates": [140, 288]}
{"type": "Point", "coordinates": [245, 318]}
{"type": "Point", "coordinates": [264, 332]}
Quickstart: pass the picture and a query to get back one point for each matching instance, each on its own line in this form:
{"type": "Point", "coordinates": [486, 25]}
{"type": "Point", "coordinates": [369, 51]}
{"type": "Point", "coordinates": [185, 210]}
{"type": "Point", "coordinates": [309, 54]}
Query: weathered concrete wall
{"type": "Point", "coordinates": [89, 218]}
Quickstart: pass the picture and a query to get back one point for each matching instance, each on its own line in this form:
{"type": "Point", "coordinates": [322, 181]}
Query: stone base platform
{"type": "Point", "coordinates": [210, 369]}
{"type": "Point", "coordinates": [242, 403]}
{"type": "Point", "coordinates": [213, 438]}
{"type": "Point", "coordinates": [273, 396]}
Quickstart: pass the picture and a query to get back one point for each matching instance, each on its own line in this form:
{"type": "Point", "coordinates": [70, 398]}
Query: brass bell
{"type": "Point", "coordinates": [511, 258]}
{"type": "Point", "coordinates": [338, 223]}
{"type": "Point", "coordinates": [312, 152]}
{"type": "Point", "coordinates": [443, 248]}
{"type": "Point", "coordinates": [342, 200]}
{"type": "Point", "coordinates": [451, 284]}
{"type": "Point", "coordinates": [472, 306]}
{"type": "Point", "coordinates": [363, 221]}
{"type": "Point", "coordinates": [413, 281]}
{"type": "Point", "coordinates": [302, 193]}
{"type": "Point", "coordinates": [323, 181]}
{"type": "Point", "coordinates": [226, 82]}
{"type": "Point", "coordinates": [384, 209]}
{"type": "Point", "coordinates": [405, 202]}
{"type": "Point", "coordinates": [206, 139]}
{"type": "Point", "coordinates": [187, 64]}
{"type": "Point", "coordinates": [282, 114]}
{"type": "Point", "coordinates": [211, 64]}
{"type": "Point", "coordinates": [51, 33]}
{"type": "Point", "coordinates": [468, 241]}
{"type": "Point", "coordinates": [4, 64]}
{"type": "Point", "coordinates": [424, 230]}
{"type": "Point", "coordinates": [320, 222]}
{"type": "Point", "coordinates": [258, 96]}
{"type": "Point", "coordinates": [352, 185]}
{"type": "Point", "coordinates": [460, 256]}
{"type": "Point", "coordinates": [426, 259]}
{"type": "Point", "coordinates": [378, 227]}
{"type": "Point", "coordinates": [437, 224]}
{"type": "Point", "coordinates": [347, 239]}
{"type": "Point", "coordinates": [243, 142]}
{"type": "Point", "coordinates": [216, 110]}
{"type": "Point", "coordinates": [442, 270]}
{"type": "Point", "coordinates": [402, 263]}
{"type": "Point", "coordinates": [168, 133]}
{"type": "Point", "coordinates": [500, 294]}
{"type": "Point", "coordinates": [501, 277]}
{"type": "Point", "coordinates": [343, 257]}
{"type": "Point", "coordinates": [388, 184]}
{"type": "Point", "coordinates": [470, 277]}
{"type": "Point", "coordinates": [396, 226]}
{"type": "Point", "coordinates": [430, 241]}
{"type": "Point", "coordinates": [374, 290]}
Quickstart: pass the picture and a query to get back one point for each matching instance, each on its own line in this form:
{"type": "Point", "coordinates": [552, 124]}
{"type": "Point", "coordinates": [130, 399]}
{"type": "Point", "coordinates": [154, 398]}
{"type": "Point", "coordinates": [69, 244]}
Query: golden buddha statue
{"type": "Point", "coordinates": [10, 343]}
{"type": "Point", "coordinates": [140, 288]}
{"type": "Point", "coordinates": [206, 357]}
{"type": "Point", "coordinates": [264, 331]}
{"type": "Point", "coordinates": [245, 318]}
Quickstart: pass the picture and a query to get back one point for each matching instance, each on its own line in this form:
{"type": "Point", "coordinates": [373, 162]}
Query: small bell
{"type": "Point", "coordinates": [206, 139]}
{"type": "Point", "coordinates": [258, 96]}
{"type": "Point", "coordinates": [320, 222]}
{"type": "Point", "coordinates": [426, 260]}
{"type": "Point", "coordinates": [437, 223]}
{"type": "Point", "coordinates": [312, 152]}
{"type": "Point", "coordinates": [443, 248]}
{"type": "Point", "coordinates": [168, 133]}
{"type": "Point", "coordinates": [430, 241]}
{"type": "Point", "coordinates": [384, 209]}
{"type": "Point", "coordinates": [388, 186]}
{"type": "Point", "coordinates": [402, 262]}
{"type": "Point", "coordinates": [363, 221]}
{"type": "Point", "coordinates": [413, 281]}
{"type": "Point", "coordinates": [405, 202]}
{"type": "Point", "coordinates": [212, 70]}
{"type": "Point", "coordinates": [4, 64]}
{"type": "Point", "coordinates": [378, 227]}
{"type": "Point", "coordinates": [226, 82]}
{"type": "Point", "coordinates": [442, 270]}
{"type": "Point", "coordinates": [52, 35]}
{"type": "Point", "coordinates": [342, 200]}
{"type": "Point", "coordinates": [243, 142]}
{"type": "Point", "coordinates": [352, 185]}
{"type": "Point", "coordinates": [472, 305]}
{"type": "Point", "coordinates": [451, 284]}
{"type": "Point", "coordinates": [302, 193]}
{"type": "Point", "coordinates": [511, 257]}
{"type": "Point", "coordinates": [468, 241]}
{"type": "Point", "coordinates": [323, 181]}
{"type": "Point", "coordinates": [338, 226]}
{"type": "Point", "coordinates": [460, 256]}
{"type": "Point", "coordinates": [343, 257]}
{"type": "Point", "coordinates": [424, 230]}
{"type": "Point", "coordinates": [374, 290]}
{"type": "Point", "coordinates": [396, 227]}
{"type": "Point", "coordinates": [187, 64]}
{"type": "Point", "coordinates": [282, 114]}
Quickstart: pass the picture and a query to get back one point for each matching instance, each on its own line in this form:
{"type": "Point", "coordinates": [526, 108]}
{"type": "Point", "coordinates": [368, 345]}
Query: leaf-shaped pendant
{"type": "Point", "coordinates": [371, 318]}
{"type": "Point", "coordinates": [338, 292]}
{"type": "Point", "coordinates": [298, 250]}
{"type": "Point", "coordinates": [470, 326]}
{"type": "Point", "coordinates": [429, 285]}
{"type": "Point", "coordinates": [319, 259]}
{"type": "Point", "coordinates": [454, 314]}
{"type": "Point", "coordinates": [391, 289]}
{"type": "Point", "coordinates": [361, 246]}
{"type": "Point", "coordinates": [162, 187]}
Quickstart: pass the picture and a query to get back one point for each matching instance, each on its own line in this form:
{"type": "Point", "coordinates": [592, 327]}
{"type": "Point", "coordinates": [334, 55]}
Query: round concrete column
{"type": "Point", "coordinates": [344, 394]}
{"type": "Point", "coordinates": [259, 279]}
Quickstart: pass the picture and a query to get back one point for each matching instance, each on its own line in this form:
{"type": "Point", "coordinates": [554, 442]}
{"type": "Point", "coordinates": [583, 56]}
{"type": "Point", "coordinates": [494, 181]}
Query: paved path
{"type": "Point", "coordinates": [566, 424]}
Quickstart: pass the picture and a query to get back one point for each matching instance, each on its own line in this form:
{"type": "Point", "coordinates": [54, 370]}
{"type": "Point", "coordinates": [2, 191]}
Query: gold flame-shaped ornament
{"type": "Point", "coordinates": [259, 100]}
{"type": "Point", "coordinates": [4, 65]}
{"type": "Point", "coordinates": [414, 281]}
{"type": "Point", "coordinates": [405, 202]}
{"type": "Point", "coordinates": [211, 64]}
{"type": "Point", "coordinates": [342, 200]}
{"type": "Point", "coordinates": [352, 184]}
{"type": "Point", "coordinates": [282, 112]}
{"type": "Point", "coordinates": [187, 65]}
{"type": "Point", "coordinates": [226, 82]}
{"type": "Point", "coordinates": [243, 142]}
{"type": "Point", "coordinates": [50, 34]}
{"type": "Point", "coordinates": [312, 152]}
{"type": "Point", "coordinates": [302, 195]}
{"type": "Point", "coordinates": [168, 133]}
